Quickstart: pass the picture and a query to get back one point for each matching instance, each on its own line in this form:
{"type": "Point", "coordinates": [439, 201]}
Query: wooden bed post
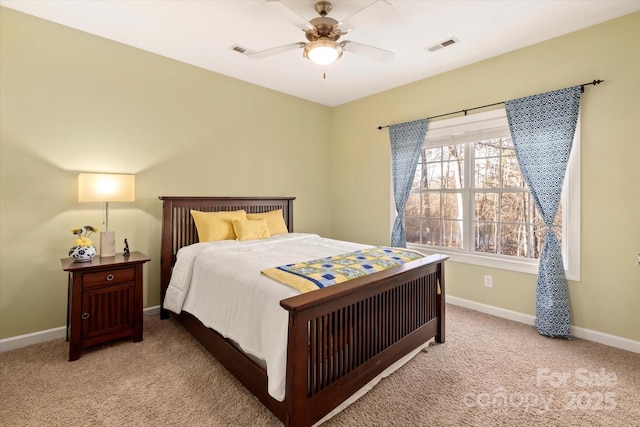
{"type": "Point", "coordinates": [166, 254]}
{"type": "Point", "coordinates": [440, 336]}
{"type": "Point", "coordinates": [296, 390]}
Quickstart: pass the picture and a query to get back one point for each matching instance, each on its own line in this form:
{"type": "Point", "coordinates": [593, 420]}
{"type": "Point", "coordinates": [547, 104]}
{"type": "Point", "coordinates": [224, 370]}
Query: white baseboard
{"type": "Point", "coordinates": [587, 334]}
{"type": "Point", "coordinates": [13, 343]}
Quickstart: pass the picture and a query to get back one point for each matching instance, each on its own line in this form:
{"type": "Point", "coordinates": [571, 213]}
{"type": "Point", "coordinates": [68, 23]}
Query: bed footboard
{"type": "Point", "coordinates": [340, 342]}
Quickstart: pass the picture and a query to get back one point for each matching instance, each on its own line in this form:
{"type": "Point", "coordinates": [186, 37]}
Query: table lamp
{"type": "Point", "coordinates": [99, 187]}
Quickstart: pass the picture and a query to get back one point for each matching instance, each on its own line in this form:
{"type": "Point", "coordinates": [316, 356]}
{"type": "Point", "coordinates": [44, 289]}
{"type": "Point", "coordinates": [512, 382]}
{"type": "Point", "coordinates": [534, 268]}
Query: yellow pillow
{"type": "Point", "coordinates": [248, 229]}
{"type": "Point", "coordinates": [275, 221]}
{"type": "Point", "coordinates": [213, 226]}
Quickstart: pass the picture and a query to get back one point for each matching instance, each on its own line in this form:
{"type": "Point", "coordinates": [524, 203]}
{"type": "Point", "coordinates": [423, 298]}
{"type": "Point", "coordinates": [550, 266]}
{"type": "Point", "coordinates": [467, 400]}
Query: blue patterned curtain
{"type": "Point", "coordinates": [406, 142]}
{"type": "Point", "coordinates": [542, 128]}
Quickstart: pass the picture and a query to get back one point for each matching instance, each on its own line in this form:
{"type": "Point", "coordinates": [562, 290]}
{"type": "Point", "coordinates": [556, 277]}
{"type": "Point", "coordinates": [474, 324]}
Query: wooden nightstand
{"type": "Point", "coordinates": [104, 301]}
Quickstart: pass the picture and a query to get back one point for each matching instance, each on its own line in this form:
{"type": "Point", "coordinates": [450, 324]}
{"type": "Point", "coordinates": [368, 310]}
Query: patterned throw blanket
{"type": "Point", "coordinates": [319, 273]}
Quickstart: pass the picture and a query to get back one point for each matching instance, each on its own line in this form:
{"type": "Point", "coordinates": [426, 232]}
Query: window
{"type": "Point", "coordinates": [469, 198]}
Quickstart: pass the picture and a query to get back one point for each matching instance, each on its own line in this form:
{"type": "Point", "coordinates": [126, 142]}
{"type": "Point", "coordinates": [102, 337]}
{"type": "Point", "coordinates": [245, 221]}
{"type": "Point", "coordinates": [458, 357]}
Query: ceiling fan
{"type": "Point", "coordinates": [324, 32]}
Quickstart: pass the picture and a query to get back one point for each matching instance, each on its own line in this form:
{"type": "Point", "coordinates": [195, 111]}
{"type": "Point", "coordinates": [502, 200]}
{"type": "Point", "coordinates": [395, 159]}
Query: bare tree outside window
{"type": "Point", "coordinates": [504, 218]}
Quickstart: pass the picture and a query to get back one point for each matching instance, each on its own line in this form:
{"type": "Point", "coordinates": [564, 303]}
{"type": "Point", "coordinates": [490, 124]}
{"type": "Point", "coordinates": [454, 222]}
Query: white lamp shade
{"type": "Point", "coordinates": [99, 187]}
{"type": "Point", "coordinates": [323, 52]}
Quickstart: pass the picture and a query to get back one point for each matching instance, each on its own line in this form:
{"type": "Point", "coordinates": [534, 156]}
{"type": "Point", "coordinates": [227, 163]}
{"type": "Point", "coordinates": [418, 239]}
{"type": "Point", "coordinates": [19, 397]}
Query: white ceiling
{"type": "Point", "coordinates": [202, 33]}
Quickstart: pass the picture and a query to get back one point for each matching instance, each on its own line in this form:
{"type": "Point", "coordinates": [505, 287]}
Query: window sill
{"type": "Point", "coordinates": [529, 267]}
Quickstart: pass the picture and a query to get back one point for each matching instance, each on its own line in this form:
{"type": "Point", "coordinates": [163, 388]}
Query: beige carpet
{"type": "Point", "coordinates": [490, 372]}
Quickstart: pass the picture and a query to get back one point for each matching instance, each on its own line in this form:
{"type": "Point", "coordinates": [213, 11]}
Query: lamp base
{"type": "Point", "coordinates": [107, 243]}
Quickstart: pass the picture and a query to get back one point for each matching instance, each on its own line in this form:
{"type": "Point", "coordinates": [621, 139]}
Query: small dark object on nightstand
{"type": "Point", "coordinates": [125, 252]}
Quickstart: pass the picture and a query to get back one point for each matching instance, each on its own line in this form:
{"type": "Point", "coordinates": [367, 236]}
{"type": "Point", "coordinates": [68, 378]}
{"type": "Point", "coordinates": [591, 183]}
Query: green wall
{"type": "Point", "coordinates": [72, 102]}
{"type": "Point", "coordinates": [607, 298]}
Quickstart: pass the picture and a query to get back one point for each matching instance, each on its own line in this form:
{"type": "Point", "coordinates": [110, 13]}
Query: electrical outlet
{"type": "Point", "coordinates": [488, 281]}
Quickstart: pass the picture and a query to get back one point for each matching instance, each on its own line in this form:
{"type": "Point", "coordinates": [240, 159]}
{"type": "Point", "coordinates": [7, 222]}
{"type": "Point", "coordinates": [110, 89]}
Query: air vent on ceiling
{"type": "Point", "coordinates": [240, 49]}
{"type": "Point", "coordinates": [448, 42]}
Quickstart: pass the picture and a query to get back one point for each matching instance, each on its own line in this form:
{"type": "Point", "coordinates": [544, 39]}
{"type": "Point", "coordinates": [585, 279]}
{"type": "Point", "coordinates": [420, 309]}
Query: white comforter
{"type": "Point", "coordinates": [220, 283]}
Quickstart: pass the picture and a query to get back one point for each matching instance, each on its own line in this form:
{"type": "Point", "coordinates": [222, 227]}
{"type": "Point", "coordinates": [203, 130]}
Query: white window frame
{"type": "Point", "coordinates": [570, 203]}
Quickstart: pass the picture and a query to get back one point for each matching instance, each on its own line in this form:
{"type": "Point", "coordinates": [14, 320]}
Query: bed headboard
{"type": "Point", "coordinates": [178, 228]}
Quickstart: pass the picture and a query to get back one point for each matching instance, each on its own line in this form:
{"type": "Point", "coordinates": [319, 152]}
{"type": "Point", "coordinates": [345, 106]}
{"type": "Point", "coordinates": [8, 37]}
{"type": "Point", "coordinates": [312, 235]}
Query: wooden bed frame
{"type": "Point", "coordinates": [339, 337]}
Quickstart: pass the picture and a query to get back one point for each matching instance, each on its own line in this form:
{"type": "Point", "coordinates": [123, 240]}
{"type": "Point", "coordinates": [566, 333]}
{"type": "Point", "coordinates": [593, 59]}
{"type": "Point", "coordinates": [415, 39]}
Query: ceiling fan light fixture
{"type": "Point", "coordinates": [323, 52]}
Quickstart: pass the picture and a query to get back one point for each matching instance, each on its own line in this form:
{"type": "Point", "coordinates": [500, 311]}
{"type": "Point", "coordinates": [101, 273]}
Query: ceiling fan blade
{"type": "Point", "coordinates": [371, 52]}
{"type": "Point", "coordinates": [275, 50]}
{"type": "Point", "coordinates": [367, 15]}
{"type": "Point", "coordinates": [291, 15]}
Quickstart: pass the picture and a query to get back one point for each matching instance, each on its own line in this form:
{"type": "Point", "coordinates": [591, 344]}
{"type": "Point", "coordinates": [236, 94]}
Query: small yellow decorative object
{"type": "Point", "coordinates": [83, 234]}
{"type": "Point", "coordinates": [84, 250]}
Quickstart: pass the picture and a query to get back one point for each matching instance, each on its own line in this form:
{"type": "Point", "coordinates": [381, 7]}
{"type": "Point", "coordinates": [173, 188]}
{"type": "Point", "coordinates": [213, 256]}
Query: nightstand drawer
{"type": "Point", "coordinates": [109, 277]}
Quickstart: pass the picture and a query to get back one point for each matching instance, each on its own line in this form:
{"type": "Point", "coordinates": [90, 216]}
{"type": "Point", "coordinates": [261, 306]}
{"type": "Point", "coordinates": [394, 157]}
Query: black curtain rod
{"type": "Point", "coordinates": [595, 82]}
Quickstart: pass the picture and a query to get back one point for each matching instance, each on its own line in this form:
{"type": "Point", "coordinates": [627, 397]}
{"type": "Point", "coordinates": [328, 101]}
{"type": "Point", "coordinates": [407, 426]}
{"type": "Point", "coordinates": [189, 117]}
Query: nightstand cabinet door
{"type": "Point", "coordinates": [108, 310]}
